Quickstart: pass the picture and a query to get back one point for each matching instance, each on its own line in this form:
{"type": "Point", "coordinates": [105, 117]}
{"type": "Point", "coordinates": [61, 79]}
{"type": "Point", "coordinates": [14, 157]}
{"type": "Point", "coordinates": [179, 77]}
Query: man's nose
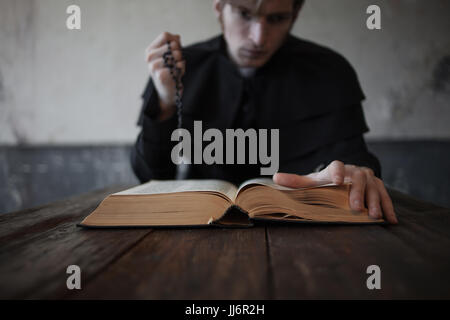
{"type": "Point", "coordinates": [258, 31]}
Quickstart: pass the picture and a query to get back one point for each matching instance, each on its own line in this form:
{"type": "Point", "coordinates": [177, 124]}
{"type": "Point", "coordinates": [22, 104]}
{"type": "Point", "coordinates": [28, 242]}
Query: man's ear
{"type": "Point", "coordinates": [218, 6]}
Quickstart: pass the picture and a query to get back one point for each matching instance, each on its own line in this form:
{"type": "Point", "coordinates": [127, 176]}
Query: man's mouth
{"type": "Point", "coordinates": [252, 54]}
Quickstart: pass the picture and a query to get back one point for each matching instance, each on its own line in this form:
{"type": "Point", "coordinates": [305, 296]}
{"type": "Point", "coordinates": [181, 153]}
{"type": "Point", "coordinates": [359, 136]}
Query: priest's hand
{"type": "Point", "coordinates": [366, 191]}
{"type": "Point", "coordinates": [161, 76]}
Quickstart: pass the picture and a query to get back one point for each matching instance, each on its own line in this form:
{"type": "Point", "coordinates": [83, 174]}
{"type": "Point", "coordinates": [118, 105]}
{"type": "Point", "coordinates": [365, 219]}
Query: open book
{"type": "Point", "coordinates": [217, 202]}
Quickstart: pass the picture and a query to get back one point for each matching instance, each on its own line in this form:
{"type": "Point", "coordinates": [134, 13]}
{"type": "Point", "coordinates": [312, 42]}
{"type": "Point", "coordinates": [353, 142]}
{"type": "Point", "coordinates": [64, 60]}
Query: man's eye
{"type": "Point", "coordinates": [245, 14]}
{"type": "Point", "coordinates": [277, 18]}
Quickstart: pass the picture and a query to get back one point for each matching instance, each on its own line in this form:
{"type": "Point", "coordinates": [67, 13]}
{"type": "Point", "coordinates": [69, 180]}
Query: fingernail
{"type": "Point", "coordinates": [375, 213]}
{"type": "Point", "coordinates": [357, 204]}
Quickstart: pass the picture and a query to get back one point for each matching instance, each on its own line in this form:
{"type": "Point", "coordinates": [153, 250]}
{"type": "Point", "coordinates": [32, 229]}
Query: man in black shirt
{"type": "Point", "coordinates": [256, 75]}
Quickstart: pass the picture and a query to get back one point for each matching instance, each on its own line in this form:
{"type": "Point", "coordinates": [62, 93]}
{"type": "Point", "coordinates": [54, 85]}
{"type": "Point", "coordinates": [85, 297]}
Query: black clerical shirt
{"type": "Point", "coordinates": [309, 92]}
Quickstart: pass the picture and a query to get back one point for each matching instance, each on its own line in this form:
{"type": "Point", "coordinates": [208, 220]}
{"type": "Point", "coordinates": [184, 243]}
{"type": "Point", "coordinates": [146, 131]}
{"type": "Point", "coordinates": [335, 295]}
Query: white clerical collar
{"type": "Point", "coordinates": [247, 72]}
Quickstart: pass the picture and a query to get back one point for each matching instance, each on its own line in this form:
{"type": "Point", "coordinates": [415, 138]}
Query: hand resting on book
{"type": "Point", "coordinates": [366, 187]}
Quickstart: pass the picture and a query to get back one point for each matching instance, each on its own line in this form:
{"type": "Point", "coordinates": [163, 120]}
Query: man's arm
{"type": "Point", "coordinates": [352, 163]}
{"type": "Point", "coordinates": [347, 160]}
{"type": "Point", "coordinates": [150, 155]}
{"type": "Point", "coordinates": [351, 151]}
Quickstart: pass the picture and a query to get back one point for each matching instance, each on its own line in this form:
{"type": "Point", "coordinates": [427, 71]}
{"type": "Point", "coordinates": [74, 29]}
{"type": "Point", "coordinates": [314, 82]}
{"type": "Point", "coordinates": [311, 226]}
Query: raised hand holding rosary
{"type": "Point", "coordinates": [175, 72]}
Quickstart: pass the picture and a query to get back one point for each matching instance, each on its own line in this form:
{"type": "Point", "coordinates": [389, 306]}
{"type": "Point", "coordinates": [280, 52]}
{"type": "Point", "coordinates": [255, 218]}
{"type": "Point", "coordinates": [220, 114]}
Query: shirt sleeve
{"type": "Point", "coordinates": [150, 155]}
{"type": "Point", "coordinates": [351, 150]}
{"type": "Point", "coordinates": [354, 151]}
{"type": "Point", "coordinates": [317, 142]}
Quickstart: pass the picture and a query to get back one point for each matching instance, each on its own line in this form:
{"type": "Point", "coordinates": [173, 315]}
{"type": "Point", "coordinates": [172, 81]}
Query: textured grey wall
{"type": "Point", "coordinates": [82, 87]}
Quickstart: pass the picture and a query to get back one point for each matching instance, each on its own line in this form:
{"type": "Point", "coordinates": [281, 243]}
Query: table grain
{"type": "Point", "coordinates": [268, 261]}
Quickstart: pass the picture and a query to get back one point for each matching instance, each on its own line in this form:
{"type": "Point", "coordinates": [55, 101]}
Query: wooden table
{"type": "Point", "coordinates": [265, 262]}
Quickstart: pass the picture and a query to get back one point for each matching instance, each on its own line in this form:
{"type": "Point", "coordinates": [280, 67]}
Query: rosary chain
{"type": "Point", "coordinates": [175, 72]}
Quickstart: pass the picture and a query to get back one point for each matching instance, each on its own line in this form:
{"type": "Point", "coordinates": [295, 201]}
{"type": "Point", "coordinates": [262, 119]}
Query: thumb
{"type": "Point", "coordinates": [294, 180]}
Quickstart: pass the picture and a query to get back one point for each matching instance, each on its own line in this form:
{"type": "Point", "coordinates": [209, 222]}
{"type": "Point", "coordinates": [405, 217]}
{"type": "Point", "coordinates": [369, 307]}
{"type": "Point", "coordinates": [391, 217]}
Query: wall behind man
{"type": "Point", "coordinates": [60, 87]}
{"type": "Point", "coordinates": [82, 87]}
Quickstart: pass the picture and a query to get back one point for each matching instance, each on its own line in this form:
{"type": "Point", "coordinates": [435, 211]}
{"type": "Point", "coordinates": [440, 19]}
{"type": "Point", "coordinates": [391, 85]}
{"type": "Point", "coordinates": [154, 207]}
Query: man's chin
{"type": "Point", "coordinates": [252, 63]}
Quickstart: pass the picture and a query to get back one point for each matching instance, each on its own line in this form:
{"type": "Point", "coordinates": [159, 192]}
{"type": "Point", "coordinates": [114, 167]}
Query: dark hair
{"type": "Point", "coordinates": [298, 4]}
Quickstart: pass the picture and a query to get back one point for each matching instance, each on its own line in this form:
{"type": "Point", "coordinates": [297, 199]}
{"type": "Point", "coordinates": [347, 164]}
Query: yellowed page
{"type": "Point", "coordinates": [269, 182]}
{"type": "Point", "coordinates": [175, 186]}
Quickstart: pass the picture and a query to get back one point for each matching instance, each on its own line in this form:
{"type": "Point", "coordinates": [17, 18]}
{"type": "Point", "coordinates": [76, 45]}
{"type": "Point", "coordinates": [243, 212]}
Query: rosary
{"type": "Point", "coordinates": [175, 72]}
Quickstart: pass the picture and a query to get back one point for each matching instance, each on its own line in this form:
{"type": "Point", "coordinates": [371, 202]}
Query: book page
{"type": "Point", "coordinates": [269, 182]}
{"type": "Point", "coordinates": [174, 186]}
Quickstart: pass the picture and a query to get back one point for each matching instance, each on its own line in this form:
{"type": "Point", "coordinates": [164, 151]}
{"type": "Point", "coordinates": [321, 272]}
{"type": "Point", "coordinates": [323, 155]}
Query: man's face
{"type": "Point", "coordinates": [253, 34]}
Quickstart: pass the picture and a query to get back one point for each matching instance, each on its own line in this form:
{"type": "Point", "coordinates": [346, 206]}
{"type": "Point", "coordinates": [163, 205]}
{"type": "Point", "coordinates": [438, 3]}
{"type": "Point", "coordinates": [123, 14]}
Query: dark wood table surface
{"type": "Point", "coordinates": [269, 261]}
